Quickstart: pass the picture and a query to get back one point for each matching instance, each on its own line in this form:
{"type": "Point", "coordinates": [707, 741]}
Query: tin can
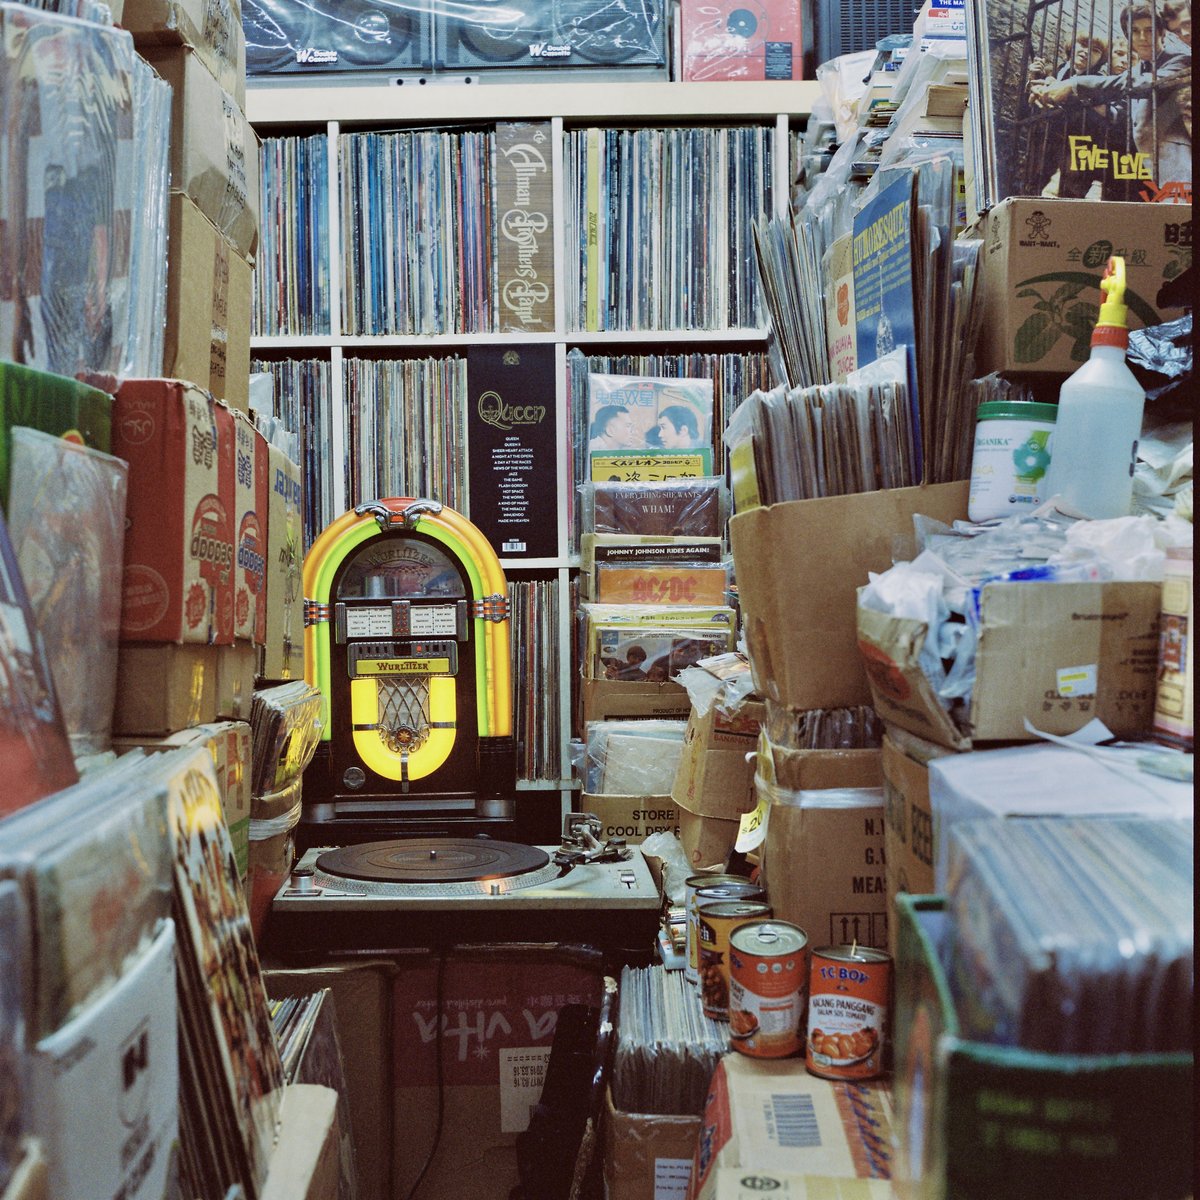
{"type": "Point", "coordinates": [768, 986]}
{"type": "Point", "coordinates": [744, 889]}
{"type": "Point", "coordinates": [848, 995]}
{"type": "Point", "coordinates": [717, 921]}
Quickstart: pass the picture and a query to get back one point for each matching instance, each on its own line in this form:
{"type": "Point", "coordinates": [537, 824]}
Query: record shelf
{"type": "Point", "coordinates": [282, 107]}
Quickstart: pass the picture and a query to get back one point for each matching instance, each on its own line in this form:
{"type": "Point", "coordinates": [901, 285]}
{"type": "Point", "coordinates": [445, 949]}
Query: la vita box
{"type": "Point", "coordinates": [799, 566]}
{"type": "Point", "coordinates": [1040, 277]}
{"type": "Point", "coordinates": [1057, 654]}
{"type": "Point", "coordinates": [179, 556]}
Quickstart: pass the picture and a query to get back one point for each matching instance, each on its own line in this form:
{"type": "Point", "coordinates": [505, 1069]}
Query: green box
{"type": "Point", "coordinates": [55, 404]}
{"type": "Point", "coordinates": [984, 1122]}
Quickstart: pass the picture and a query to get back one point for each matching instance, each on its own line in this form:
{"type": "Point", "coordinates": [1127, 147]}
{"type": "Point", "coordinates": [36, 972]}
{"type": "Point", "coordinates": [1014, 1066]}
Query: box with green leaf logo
{"type": "Point", "coordinates": [1042, 262]}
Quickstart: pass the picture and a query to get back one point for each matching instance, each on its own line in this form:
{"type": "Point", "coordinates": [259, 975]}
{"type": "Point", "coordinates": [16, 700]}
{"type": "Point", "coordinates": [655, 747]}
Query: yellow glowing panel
{"type": "Point", "coordinates": [403, 764]}
{"type": "Point", "coordinates": [402, 666]}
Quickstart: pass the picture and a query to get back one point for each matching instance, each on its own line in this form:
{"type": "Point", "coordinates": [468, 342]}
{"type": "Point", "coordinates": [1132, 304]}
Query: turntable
{"type": "Point", "coordinates": [377, 897]}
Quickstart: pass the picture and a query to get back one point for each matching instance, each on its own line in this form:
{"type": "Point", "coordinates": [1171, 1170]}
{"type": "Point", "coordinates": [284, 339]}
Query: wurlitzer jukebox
{"type": "Point", "coordinates": [407, 639]}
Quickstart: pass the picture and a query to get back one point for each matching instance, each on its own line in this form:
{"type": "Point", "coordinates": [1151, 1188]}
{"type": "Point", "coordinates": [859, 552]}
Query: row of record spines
{"type": "Point", "coordinates": [735, 376]}
{"type": "Point", "coordinates": [536, 658]}
{"type": "Point", "coordinates": [417, 237]}
{"type": "Point", "coordinates": [662, 220]}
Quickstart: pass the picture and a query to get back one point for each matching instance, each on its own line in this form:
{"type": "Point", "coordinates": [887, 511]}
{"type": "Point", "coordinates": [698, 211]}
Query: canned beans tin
{"type": "Point", "coordinates": [717, 922]}
{"type": "Point", "coordinates": [768, 984]}
{"type": "Point", "coordinates": [848, 995]}
{"type": "Point", "coordinates": [741, 889]}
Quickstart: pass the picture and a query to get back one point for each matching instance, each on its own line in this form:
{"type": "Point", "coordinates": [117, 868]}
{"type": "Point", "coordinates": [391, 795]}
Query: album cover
{"type": "Point", "coordinates": [741, 39]}
{"type": "Point", "coordinates": [1081, 101]}
{"type": "Point", "coordinates": [33, 739]}
{"type": "Point", "coordinates": [659, 583]}
{"type": "Point", "coordinates": [641, 655]}
{"type": "Point", "coordinates": [676, 508]}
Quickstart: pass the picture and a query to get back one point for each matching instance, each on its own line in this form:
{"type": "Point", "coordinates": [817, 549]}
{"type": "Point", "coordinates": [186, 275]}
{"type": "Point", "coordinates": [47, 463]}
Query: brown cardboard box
{"type": "Point", "coordinates": [633, 818]}
{"type": "Point", "coordinates": [29, 1180]}
{"type": "Point", "coordinates": [646, 1154]}
{"type": "Point", "coordinates": [748, 1122]}
{"type": "Point", "coordinates": [251, 480]}
{"type": "Point", "coordinates": [1040, 278]}
{"type": "Point", "coordinates": [909, 835]}
{"type": "Point", "coordinates": [214, 152]}
{"type": "Point", "coordinates": [708, 841]}
{"type": "Point", "coordinates": [1057, 654]}
{"type": "Point", "coordinates": [605, 699]}
{"type": "Point", "coordinates": [162, 688]}
{"type": "Point", "coordinates": [237, 667]}
{"type": "Point", "coordinates": [362, 994]}
{"type": "Point", "coordinates": [212, 27]}
{"type": "Point", "coordinates": [178, 573]}
{"type": "Point", "coordinates": [501, 1012]}
{"type": "Point", "coordinates": [824, 849]}
{"type": "Point", "coordinates": [209, 294]}
{"type": "Point", "coordinates": [736, 1183]}
{"type": "Point", "coordinates": [799, 566]}
{"type": "Point", "coordinates": [283, 650]}
{"type": "Point", "coordinates": [304, 1163]}
{"type": "Point", "coordinates": [714, 778]}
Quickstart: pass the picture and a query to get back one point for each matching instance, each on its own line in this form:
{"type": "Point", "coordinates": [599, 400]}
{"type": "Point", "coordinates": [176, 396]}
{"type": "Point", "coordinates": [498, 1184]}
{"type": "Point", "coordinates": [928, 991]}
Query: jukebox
{"type": "Point", "coordinates": [407, 639]}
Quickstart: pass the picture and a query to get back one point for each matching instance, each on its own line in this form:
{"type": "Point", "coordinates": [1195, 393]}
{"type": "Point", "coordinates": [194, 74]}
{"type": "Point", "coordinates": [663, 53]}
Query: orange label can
{"type": "Point", "coordinates": [730, 887]}
{"type": "Point", "coordinates": [768, 985]}
{"type": "Point", "coordinates": [849, 990]}
{"type": "Point", "coordinates": [717, 922]}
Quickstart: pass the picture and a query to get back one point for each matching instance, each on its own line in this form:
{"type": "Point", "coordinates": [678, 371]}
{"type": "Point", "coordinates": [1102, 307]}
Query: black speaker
{"type": "Point", "coordinates": [292, 36]}
{"type": "Point", "coordinates": [848, 26]}
{"type": "Point", "coordinates": [550, 33]}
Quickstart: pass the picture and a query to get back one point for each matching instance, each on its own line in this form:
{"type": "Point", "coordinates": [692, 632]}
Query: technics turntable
{"type": "Point", "coordinates": [383, 896]}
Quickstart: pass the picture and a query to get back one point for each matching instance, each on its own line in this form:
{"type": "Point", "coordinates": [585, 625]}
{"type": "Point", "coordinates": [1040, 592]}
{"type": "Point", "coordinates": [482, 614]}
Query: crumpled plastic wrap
{"type": "Point", "coordinates": [632, 758]}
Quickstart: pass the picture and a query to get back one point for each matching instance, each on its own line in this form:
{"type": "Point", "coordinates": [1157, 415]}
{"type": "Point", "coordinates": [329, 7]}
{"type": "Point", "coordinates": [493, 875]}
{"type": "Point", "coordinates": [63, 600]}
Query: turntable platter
{"type": "Point", "coordinates": [433, 861]}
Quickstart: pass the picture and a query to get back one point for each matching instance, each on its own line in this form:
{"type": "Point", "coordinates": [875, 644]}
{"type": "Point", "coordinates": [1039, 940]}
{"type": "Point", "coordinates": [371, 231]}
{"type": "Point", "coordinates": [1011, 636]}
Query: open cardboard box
{"type": "Point", "coordinates": [799, 566]}
{"type": "Point", "coordinates": [1057, 654]}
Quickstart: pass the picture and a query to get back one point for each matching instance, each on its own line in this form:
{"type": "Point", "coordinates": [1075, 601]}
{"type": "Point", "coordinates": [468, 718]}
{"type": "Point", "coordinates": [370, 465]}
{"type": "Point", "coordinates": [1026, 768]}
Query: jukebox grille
{"type": "Point", "coordinates": [404, 712]}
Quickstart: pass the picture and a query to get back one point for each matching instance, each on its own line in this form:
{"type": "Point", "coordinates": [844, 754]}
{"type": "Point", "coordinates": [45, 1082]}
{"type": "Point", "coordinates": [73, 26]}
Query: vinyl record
{"type": "Point", "coordinates": [741, 22]}
{"type": "Point", "coordinates": [495, 36]}
{"type": "Point", "coordinates": [433, 860]}
{"type": "Point", "coordinates": [274, 30]}
{"type": "Point", "coordinates": [620, 31]}
{"type": "Point", "coordinates": [367, 34]}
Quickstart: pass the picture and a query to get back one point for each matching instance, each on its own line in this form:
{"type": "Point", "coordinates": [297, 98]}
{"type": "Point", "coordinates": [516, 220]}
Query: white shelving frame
{"type": "Point", "coordinates": [276, 106]}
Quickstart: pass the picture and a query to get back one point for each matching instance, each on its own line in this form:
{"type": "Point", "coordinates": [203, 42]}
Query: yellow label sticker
{"type": "Point", "coordinates": [403, 666]}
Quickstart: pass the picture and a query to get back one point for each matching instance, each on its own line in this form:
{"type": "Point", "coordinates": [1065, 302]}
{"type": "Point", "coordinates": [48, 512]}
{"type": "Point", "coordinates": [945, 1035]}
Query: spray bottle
{"type": "Point", "coordinates": [1094, 447]}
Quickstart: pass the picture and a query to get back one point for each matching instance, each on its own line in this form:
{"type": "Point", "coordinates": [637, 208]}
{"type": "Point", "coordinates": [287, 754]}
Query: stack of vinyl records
{"type": "Point", "coordinates": [66, 516]}
{"type": "Point", "coordinates": [1074, 935]}
{"type": "Point", "coordinates": [535, 636]}
{"type": "Point", "coordinates": [285, 724]}
{"type": "Point", "coordinates": [15, 960]}
{"type": "Point", "coordinates": [667, 1049]}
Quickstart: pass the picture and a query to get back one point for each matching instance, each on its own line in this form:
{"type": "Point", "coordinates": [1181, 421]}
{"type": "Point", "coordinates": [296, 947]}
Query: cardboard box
{"type": "Point", "coordinates": [162, 688]}
{"type": "Point", "coordinates": [229, 744]}
{"type": "Point", "coordinates": [1057, 654]}
{"type": "Point", "coordinates": [272, 849]}
{"type": "Point", "coordinates": [823, 852]}
{"type": "Point", "coordinates": [213, 28]}
{"type": "Point", "coordinates": [633, 818]}
{"type": "Point", "coordinates": [1042, 780]}
{"type": "Point", "coordinates": [799, 566]}
{"type": "Point", "coordinates": [1040, 277]}
{"type": "Point", "coordinates": [54, 404]}
{"type": "Point", "coordinates": [362, 994]}
{"type": "Point", "coordinates": [304, 1163]}
{"type": "Point", "coordinates": [237, 668]}
{"type": "Point", "coordinates": [214, 152]}
{"type": "Point", "coordinates": [179, 556]}
{"type": "Point", "coordinates": [605, 699]}
{"type": "Point", "coordinates": [209, 295]}
{"type": "Point", "coordinates": [501, 1011]}
{"type": "Point", "coordinates": [742, 1183]}
{"type": "Point", "coordinates": [908, 839]}
{"type": "Point", "coordinates": [122, 1046]}
{"type": "Point", "coordinates": [708, 841]}
{"type": "Point", "coordinates": [250, 514]}
{"type": "Point", "coordinates": [983, 1122]}
{"type": "Point", "coordinates": [283, 649]}
{"type": "Point", "coordinates": [646, 1154]}
{"type": "Point", "coordinates": [771, 1115]}
{"type": "Point", "coordinates": [714, 777]}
